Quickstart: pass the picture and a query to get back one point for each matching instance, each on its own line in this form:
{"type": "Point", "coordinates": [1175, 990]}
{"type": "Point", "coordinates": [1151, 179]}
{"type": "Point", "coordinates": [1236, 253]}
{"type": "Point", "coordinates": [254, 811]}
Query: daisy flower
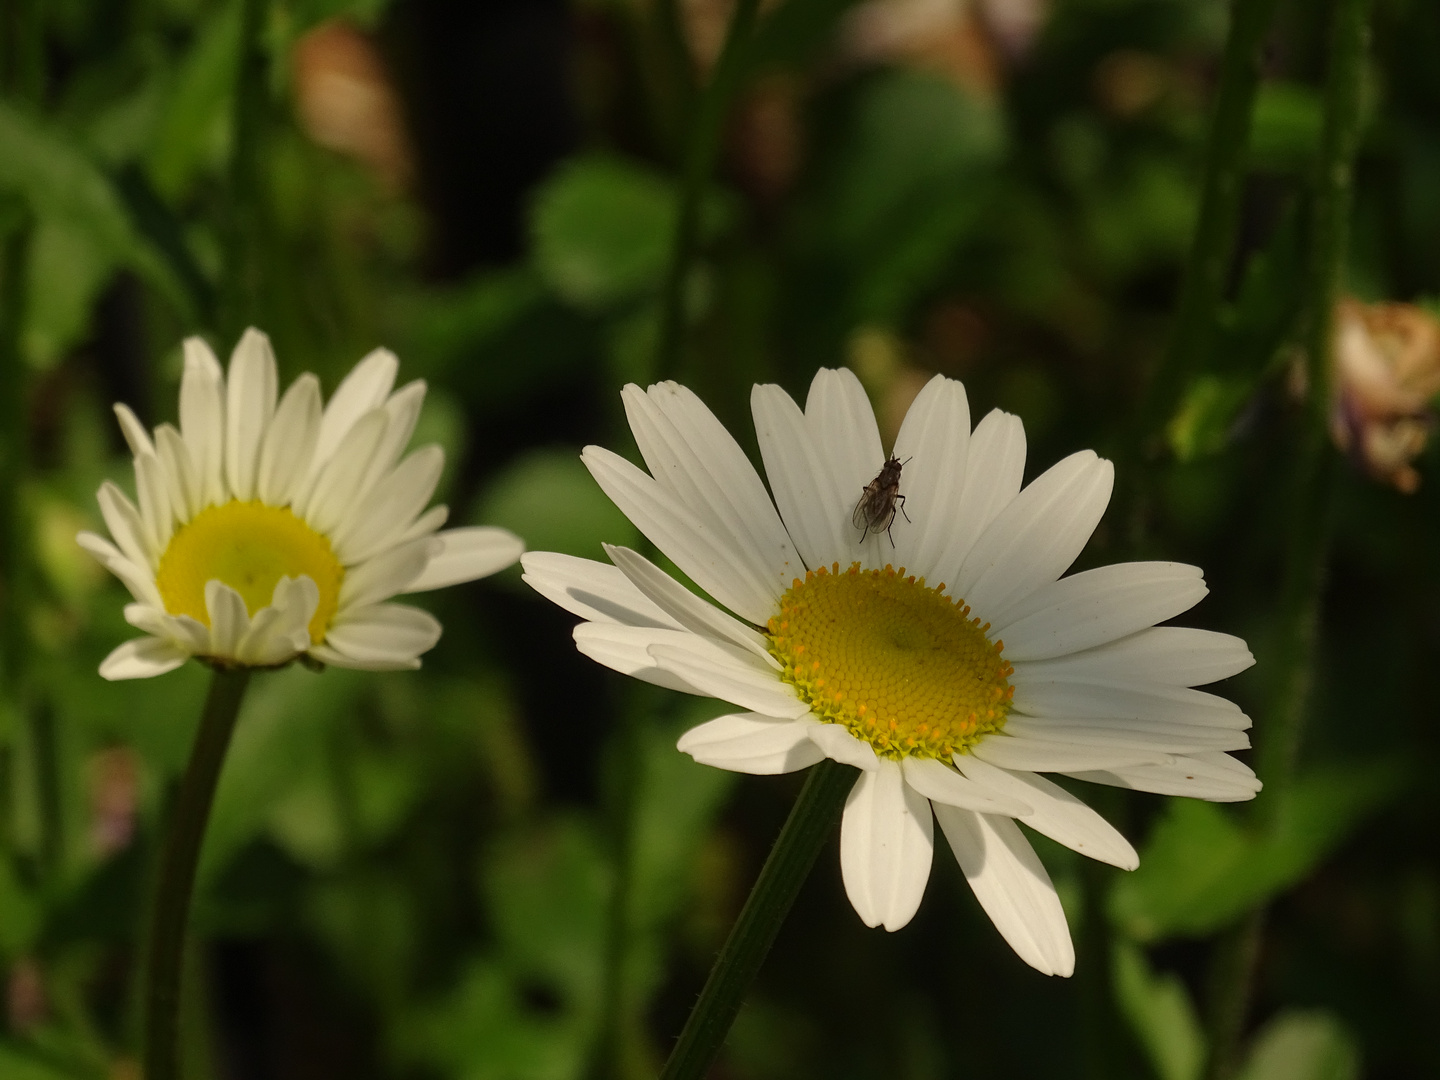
{"type": "Point", "coordinates": [943, 656]}
{"type": "Point", "coordinates": [266, 532]}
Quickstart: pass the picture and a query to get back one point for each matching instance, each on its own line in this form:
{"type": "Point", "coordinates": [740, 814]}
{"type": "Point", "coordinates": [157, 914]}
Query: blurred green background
{"type": "Point", "coordinates": [407, 875]}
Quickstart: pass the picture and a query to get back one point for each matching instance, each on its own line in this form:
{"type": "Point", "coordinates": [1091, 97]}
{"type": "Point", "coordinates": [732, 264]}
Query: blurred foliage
{"type": "Point", "coordinates": [408, 875]}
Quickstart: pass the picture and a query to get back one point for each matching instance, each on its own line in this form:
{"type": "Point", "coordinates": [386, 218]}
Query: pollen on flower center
{"type": "Point", "coordinates": [900, 664]}
{"type": "Point", "coordinates": [249, 546]}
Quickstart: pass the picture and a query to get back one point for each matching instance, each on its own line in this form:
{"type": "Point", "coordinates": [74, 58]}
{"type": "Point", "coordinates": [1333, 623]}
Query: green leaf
{"type": "Point", "coordinates": [603, 229]}
{"type": "Point", "coordinates": [1200, 869]}
{"type": "Point", "coordinates": [1160, 1012]}
{"type": "Point", "coordinates": [1285, 126]}
{"type": "Point", "coordinates": [20, 914]}
{"type": "Point", "coordinates": [1303, 1045]}
{"type": "Point", "coordinates": [1207, 415]}
{"type": "Point", "coordinates": [548, 497]}
{"type": "Point", "coordinates": [193, 132]}
{"type": "Point", "coordinates": [15, 1064]}
{"type": "Point", "coordinates": [82, 234]}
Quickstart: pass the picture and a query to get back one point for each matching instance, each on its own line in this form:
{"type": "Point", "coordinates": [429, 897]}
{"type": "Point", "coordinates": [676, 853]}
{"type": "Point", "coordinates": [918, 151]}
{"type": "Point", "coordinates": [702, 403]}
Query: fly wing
{"type": "Point", "coordinates": [861, 517]}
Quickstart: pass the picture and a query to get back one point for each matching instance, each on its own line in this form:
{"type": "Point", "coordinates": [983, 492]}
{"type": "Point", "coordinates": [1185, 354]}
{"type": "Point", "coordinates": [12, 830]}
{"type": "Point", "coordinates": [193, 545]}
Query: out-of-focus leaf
{"type": "Point", "coordinates": [280, 742]}
{"type": "Point", "coordinates": [1200, 869]}
{"type": "Point", "coordinates": [17, 1064]}
{"type": "Point", "coordinates": [1303, 1045]}
{"type": "Point", "coordinates": [908, 186]}
{"type": "Point", "coordinates": [602, 229]}
{"type": "Point", "coordinates": [548, 497]}
{"type": "Point", "coordinates": [83, 233]}
{"type": "Point", "coordinates": [194, 129]}
{"type": "Point", "coordinates": [1206, 416]}
{"type": "Point", "coordinates": [486, 1030]}
{"type": "Point", "coordinates": [1161, 1014]}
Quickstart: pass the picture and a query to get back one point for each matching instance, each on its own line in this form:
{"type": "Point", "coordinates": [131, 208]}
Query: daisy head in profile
{"type": "Point", "coordinates": [266, 531]}
{"type": "Point", "coordinates": [906, 614]}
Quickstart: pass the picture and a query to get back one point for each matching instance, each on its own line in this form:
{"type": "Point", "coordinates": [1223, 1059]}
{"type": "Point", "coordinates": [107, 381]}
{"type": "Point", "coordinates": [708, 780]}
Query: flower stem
{"type": "Point", "coordinates": [706, 126]}
{"type": "Point", "coordinates": [1213, 247]}
{"type": "Point", "coordinates": [804, 834]}
{"type": "Point", "coordinates": [1314, 481]}
{"type": "Point", "coordinates": [178, 862]}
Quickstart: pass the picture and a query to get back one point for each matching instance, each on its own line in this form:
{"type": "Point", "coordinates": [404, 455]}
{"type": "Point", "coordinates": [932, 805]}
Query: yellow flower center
{"type": "Point", "coordinates": [249, 546]}
{"type": "Point", "coordinates": [901, 665]}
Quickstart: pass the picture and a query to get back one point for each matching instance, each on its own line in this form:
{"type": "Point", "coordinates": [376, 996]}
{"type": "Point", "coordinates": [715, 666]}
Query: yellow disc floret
{"type": "Point", "coordinates": [249, 546]}
{"type": "Point", "coordinates": [900, 664]}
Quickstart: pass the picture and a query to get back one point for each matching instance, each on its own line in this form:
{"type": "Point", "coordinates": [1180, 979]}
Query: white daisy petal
{"type": "Point", "coordinates": [139, 581]}
{"type": "Point", "coordinates": [466, 554]}
{"type": "Point", "coordinates": [626, 649]}
{"type": "Point", "coordinates": [731, 675]}
{"type": "Point", "coordinates": [156, 517]}
{"type": "Point", "coordinates": [384, 633]}
{"type": "Point", "coordinates": [386, 575]}
{"type": "Point", "coordinates": [1056, 813]}
{"type": "Point", "coordinates": [391, 506]}
{"type": "Point", "coordinates": [751, 743]}
{"type": "Point", "coordinates": [187, 633]}
{"type": "Point", "coordinates": [403, 409]}
{"type": "Point", "coordinates": [1096, 607]}
{"type": "Point", "coordinates": [934, 444]}
{"type": "Point", "coordinates": [290, 442]}
{"type": "Point", "coordinates": [1049, 755]}
{"type": "Point", "coordinates": [1012, 886]}
{"type": "Point", "coordinates": [1216, 777]}
{"type": "Point", "coordinates": [229, 620]}
{"type": "Point", "coordinates": [280, 631]}
{"type": "Point", "coordinates": [142, 658]}
{"type": "Point", "coordinates": [816, 513]}
{"type": "Point", "coordinates": [693, 457]}
{"type": "Point", "coordinates": [690, 542]}
{"type": "Point", "coordinates": [123, 521]}
{"type": "Point", "coordinates": [202, 418]}
{"type": "Point", "coordinates": [842, 426]}
{"type": "Point", "coordinates": [886, 847]}
{"type": "Point", "coordinates": [1038, 535]}
{"type": "Point", "coordinates": [364, 389]}
{"type": "Point", "coordinates": [1172, 655]}
{"type": "Point", "coordinates": [940, 783]}
{"type": "Point", "coordinates": [135, 435]}
{"type": "Point", "coordinates": [687, 609]}
{"type": "Point", "coordinates": [1140, 734]}
{"type": "Point", "coordinates": [426, 524]}
{"type": "Point", "coordinates": [337, 486]}
{"type": "Point", "coordinates": [249, 405]}
{"type": "Point", "coordinates": [994, 469]}
{"type": "Point", "coordinates": [591, 590]}
{"type": "Point", "coordinates": [1122, 701]}
{"type": "Point", "coordinates": [182, 478]}
{"type": "Point", "coordinates": [839, 745]}
{"type": "Point", "coordinates": [335, 658]}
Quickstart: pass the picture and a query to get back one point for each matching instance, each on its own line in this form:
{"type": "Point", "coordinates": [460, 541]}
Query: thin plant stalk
{"type": "Point", "coordinates": [170, 914]}
{"type": "Point", "coordinates": [809, 825]}
{"type": "Point", "coordinates": [1314, 483]}
{"type": "Point", "coordinates": [1213, 248]}
{"type": "Point", "coordinates": [243, 272]}
{"type": "Point", "coordinates": [705, 126]}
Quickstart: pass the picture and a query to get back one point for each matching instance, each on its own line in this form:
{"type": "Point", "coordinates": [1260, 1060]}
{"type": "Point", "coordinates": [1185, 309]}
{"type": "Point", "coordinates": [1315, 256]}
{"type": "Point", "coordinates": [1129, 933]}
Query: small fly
{"type": "Point", "coordinates": [879, 501]}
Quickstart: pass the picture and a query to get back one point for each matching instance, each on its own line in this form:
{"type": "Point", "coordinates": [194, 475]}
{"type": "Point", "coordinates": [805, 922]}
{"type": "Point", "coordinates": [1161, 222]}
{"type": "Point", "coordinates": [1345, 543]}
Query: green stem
{"type": "Point", "coordinates": [243, 270]}
{"type": "Point", "coordinates": [178, 863]}
{"type": "Point", "coordinates": [706, 128]}
{"type": "Point", "coordinates": [1313, 485]}
{"type": "Point", "coordinates": [1213, 248]}
{"type": "Point", "coordinates": [805, 832]}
